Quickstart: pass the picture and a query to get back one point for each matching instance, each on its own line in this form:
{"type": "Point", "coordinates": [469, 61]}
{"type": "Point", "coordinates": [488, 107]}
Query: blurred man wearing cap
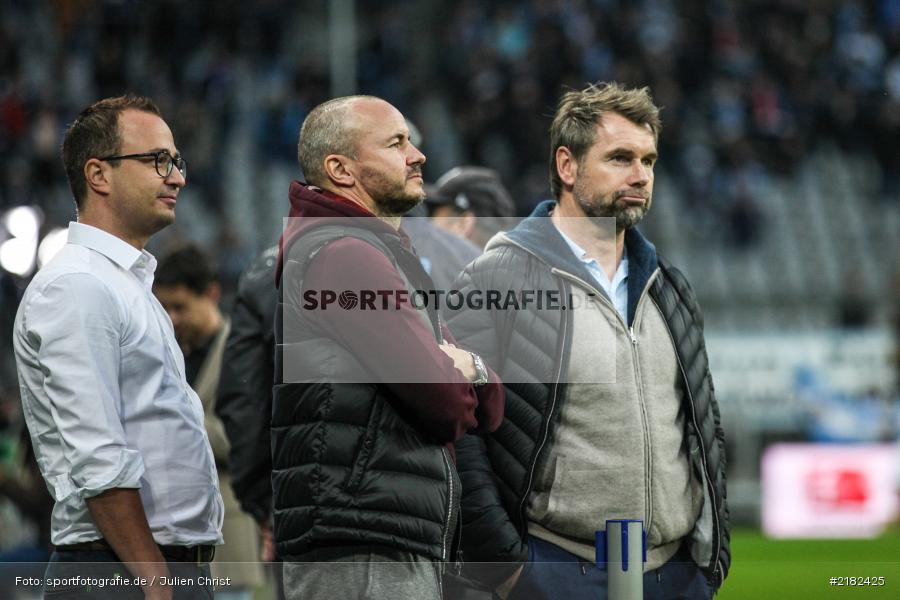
{"type": "Point", "coordinates": [443, 254]}
{"type": "Point", "coordinates": [471, 202]}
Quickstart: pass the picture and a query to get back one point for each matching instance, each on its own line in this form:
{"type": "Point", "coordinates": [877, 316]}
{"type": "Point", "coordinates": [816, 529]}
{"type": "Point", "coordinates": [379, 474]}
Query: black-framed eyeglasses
{"type": "Point", "coordinates": [165, 162]}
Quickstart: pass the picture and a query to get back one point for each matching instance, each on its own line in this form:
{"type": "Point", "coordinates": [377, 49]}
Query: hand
{"type": "Point", "coordinates": [462, 360]}
{"type": "Point", "coordinates": [267, 542]}
{"type": "Point", "coordinates": [504, 589]}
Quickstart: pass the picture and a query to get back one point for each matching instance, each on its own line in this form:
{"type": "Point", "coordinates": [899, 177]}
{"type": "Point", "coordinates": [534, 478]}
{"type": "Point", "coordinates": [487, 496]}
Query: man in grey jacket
{"type": "Point", "coordinates": [610, 408]}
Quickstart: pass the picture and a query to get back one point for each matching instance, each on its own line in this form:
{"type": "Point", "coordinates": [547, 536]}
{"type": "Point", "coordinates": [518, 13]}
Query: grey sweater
{"type": "Point", "coordinates": [619, 451]}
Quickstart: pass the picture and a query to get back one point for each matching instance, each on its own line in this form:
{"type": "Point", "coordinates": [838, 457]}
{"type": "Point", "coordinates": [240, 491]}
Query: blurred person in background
{"type": "Point", "coordinates": [575, 450]}
{"type": "Point", "coordinates": [363, 479]}
{"type": "Point", "coordinates": [188, 289]}
{"type": "Point", "coordinates": [471, 202]}
{"type": "Point", "coordinates": [245, 393]}
{"type": "Point", "coordinates": [102, 379]}
{"type": "Point", "coordinates": [21, 483]}
{"type": "Point", "coordinates": [25, 520]}
{"type": "Point", "coordinates": [443, 254]}
{"type": "Point", "coordinates": [244, 402]}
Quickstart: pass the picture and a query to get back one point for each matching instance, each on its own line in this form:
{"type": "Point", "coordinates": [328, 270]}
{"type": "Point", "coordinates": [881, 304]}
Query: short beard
{"type": "Point", "coordinates": [610, 206]}
{"type": "Point", "coordinates": [399, 205]}
{"type": "Point", "coordinates": [390, 197]}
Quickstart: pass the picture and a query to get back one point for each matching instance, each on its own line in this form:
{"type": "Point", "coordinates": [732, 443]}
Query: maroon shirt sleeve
{"type": "Point", "coordinates": [491, 396]}
{"type": "Point", "coordinates": [393, 343]}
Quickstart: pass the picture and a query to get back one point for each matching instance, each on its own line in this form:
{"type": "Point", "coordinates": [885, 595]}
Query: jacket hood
{"type": "Point", "coordinates": [313, 207]}
{"type": "Point", "coordinates": [312, 202]}
{"type": "Point", "coordinates": [538, 235]}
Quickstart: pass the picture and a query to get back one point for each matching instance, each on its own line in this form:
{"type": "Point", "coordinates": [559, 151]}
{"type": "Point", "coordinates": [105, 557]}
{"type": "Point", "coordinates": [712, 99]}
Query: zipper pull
{"type": "Point", "coordinates": [632, 336]}
{"type": "Point", "coordinates": [458, 556]}
{"type": "Point", "coordinates": [439, 331]}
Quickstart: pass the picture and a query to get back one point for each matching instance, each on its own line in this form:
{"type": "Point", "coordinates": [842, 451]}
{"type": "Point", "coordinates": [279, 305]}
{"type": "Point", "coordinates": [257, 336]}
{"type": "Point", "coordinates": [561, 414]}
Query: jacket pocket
{"type": "Point", "coordinates": [583, 496]}
{"type": "Point", "coordinates": [364, 451]}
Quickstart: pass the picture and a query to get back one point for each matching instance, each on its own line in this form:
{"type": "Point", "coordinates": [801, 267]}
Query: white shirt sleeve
{"type": "Point", "coordinates": [75, 327]}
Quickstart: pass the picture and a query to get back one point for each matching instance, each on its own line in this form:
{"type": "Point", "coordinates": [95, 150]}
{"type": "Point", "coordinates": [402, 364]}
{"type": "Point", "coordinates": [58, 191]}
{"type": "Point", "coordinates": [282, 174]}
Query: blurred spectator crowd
{"type": "Point", "coordinates": [748, 88]}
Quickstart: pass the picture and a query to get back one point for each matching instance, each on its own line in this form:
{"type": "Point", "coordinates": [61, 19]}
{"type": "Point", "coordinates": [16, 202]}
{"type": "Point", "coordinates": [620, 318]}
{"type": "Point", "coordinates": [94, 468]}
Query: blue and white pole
{"type": "Point", "coordinates": [622, 551]}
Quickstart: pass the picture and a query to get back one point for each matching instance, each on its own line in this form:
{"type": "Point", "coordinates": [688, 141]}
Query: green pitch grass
{"type": "Point", "coordinates": [763, 568]}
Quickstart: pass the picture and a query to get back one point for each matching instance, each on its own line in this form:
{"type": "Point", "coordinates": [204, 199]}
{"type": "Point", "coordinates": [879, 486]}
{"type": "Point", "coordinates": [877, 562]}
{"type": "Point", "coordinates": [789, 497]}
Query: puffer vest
{"type": "Point", "coordinates": [348, 469]}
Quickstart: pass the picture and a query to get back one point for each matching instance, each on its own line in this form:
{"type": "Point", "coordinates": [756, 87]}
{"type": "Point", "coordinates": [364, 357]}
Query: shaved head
{"type": "Point", "coordinates": [330, 128]}
{"type": "Point", "coordinates": [359, 147]}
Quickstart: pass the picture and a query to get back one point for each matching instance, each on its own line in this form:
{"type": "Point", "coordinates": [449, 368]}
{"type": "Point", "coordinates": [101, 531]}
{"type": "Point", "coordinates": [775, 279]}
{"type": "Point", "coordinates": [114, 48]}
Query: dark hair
{"type": "Point", "coordinates": [186, 265]}
{"type": "Point", "coordinates": [95, 133]}
{"type": "Point", "coordinates": [579, 112]}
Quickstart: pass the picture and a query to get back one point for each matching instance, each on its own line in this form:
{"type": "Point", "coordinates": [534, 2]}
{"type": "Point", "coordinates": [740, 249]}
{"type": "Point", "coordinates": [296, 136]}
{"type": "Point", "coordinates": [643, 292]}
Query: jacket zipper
{"type": "Point", "coordinates": [440, 340]}
{"type": "Point", "coordinates": [714, 559]}
{"type": "Point", "coordinates": [458, 562]}
{"type": "Point", "coordinates": [648, 443]}
{"type": "Point", "coordinates": [449, 503]}
{"type": "Point", "coordinates": [645, 430]}
{"type": "Point", "coordinates": [648, 463]}
{"type": "Point", "coordinates": [439, 333]}
{"type": "Point", "coordinates": [562, 350]}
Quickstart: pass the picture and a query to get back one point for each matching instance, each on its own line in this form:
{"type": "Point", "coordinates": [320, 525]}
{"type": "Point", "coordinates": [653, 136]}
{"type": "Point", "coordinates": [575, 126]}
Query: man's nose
{"type": "Point", "coordinates": [640, 174]}
{"type": "Point", "coordinates": [176, 178]}
{"type": "Point", "coordinates": [415, 156]}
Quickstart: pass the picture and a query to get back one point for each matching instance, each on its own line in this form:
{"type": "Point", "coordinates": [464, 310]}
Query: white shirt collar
{"type": "Point", "coordinates": [581, 254]}
{"type": "Point", "coordinates": [141, 262]}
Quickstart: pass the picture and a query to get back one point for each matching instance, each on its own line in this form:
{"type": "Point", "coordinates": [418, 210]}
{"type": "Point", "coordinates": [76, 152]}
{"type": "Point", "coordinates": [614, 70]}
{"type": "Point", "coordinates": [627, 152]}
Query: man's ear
{"type": "Point", "coordinates": [214, 292]}
{"type": "Point", "coordinates": [96, 174]}
{"type": "Point", "coordinates": [566, 166]}
{"type": "Point", "coordinates": [336, 170]}
{"type": "Point", "coordinates": [467, 223]}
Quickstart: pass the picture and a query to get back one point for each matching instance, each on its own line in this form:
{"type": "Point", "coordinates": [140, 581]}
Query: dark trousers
{"type": "Point", "coordinates": [553, 573]}
{"type": "Point", "coordinates": [84, 575]}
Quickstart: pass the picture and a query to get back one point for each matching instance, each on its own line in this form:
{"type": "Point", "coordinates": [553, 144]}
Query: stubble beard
{"type": "Point", "coordinates": [610, 205]}
{"type": "Point", "coordinates": [390, 196]}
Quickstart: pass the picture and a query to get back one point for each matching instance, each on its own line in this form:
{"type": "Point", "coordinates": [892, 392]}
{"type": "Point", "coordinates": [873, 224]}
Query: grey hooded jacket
{"type": "Point", "coordinates": [530, 349]}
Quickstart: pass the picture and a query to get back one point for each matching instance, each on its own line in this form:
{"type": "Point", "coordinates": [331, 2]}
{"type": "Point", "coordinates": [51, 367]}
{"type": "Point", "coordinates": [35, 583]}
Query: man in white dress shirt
{"type": "Point", "coordinates": [117, 431]}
